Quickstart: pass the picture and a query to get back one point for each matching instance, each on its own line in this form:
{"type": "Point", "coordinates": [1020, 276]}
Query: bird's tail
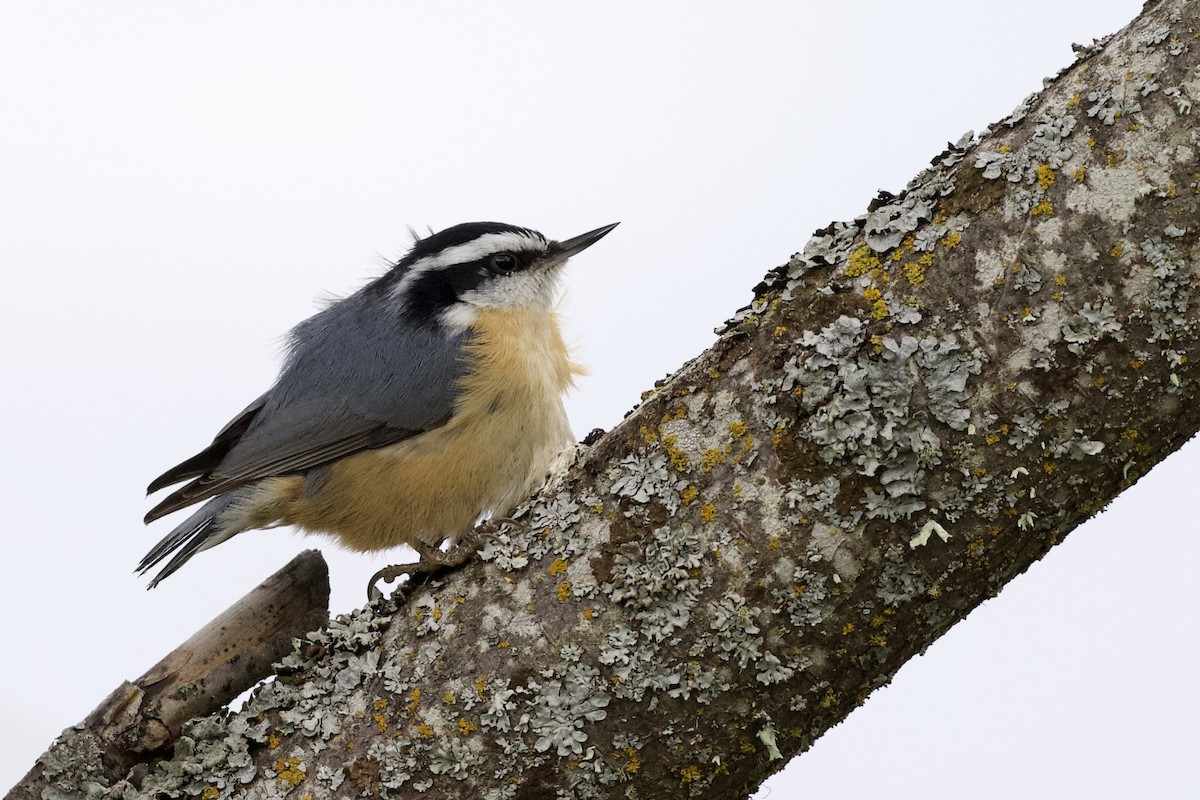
{"type": "Point", "coordinates": [207, 527]}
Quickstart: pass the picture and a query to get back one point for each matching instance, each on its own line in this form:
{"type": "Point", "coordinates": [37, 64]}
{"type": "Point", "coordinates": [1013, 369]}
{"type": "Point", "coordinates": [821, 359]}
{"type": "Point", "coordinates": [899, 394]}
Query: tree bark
{"type": "Point", "coordinates": [140, 720]}
{"type": "Point", "coordinates": [912, 411]}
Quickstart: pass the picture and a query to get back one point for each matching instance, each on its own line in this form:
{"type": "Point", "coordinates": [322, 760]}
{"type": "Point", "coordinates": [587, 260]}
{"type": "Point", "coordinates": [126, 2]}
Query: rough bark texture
{"type": "Point", "coordinates": [136, 725]}
{"type": "Point", "coordinates": [913, 410]}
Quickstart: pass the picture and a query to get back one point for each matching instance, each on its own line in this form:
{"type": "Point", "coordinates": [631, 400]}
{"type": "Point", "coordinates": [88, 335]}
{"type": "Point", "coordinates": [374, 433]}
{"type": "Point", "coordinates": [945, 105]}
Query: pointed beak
{"type": "Point", "coordinates": [570, 247]}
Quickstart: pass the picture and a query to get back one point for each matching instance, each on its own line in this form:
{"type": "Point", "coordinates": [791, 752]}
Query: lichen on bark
{"type": "Point", "coordinates": [913, 409]}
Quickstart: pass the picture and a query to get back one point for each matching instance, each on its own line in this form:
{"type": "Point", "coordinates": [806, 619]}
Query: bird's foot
{"type": "Point", "coordinates": [389, 574]}
{"type": "Point", "coordinates": [434, 560]}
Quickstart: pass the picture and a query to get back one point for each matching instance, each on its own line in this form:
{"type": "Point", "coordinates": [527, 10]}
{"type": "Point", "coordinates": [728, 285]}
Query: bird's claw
{"type": "Point", "coordinates": [434, 560]}
{"type": "Point", "coordinates": [389, 574]}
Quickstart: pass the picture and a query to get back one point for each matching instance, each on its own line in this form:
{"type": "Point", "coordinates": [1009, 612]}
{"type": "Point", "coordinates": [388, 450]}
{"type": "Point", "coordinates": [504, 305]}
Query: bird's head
{"type": "Point", "coordinates": [449, 276]}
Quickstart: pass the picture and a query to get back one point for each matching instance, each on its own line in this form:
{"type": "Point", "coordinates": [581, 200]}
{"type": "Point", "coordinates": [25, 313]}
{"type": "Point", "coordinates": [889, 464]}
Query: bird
{"type": "Point", "coordinates": [404, 413]}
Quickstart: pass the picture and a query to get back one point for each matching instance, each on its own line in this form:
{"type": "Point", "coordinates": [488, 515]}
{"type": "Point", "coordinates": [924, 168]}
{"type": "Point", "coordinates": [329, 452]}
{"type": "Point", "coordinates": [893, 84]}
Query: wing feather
{"type": "Point", "coordinates": [358, 377]}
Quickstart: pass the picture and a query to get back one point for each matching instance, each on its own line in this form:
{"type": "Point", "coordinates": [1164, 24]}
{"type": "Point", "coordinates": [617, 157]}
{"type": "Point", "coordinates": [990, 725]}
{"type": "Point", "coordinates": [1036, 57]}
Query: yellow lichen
{"type": "Point", "coordinates": [773, 543]}
{"type": "Point", "coordinates": [678, 412]}
{"type": "Point", "coordinates": [689, 494]}
{"type": "Point", "coordinates": [273, 740]}
{"type": "Point", "coordinates": [558, 567]}
{"type": "Point", "coordinates": [1074, 101]}
{"type": "Point", "coordinates": [992, 438]}
{"type": "Point", "coordinates": [951, 240]}
{"type": "Point", "coordinates": [597, 509]}
{"type": "Point", "coordinates": [708, 512]}
{"type": "Point", "coordinates": [481, 687]}
{"type": "Point", "coordinates": [587, 613]}
{"type": "Point", "coordinates": [1079, 175]}
{"type": "Point", "coordinates": [1117, 251]}
{"type": "Point", "coordinates": [871, 293]}
{"type": "Point", "coordinates": [1005, 148]}
{"type": "Point", "coordinates": [879, 310]}
{"type": "Point", "coordinates": [688, 774]}
{"type": "Point", "coordinates": [848, 629]}
{"type": "Point", "coordinates": [711, 458]}
{"type": "Point", "coordinates": [414, 699]}
{"type": "Point", "coordinates": [780, 330]}
{"type": "Point", "coordinates": [1060, 280]}
{"type": "Point", "coordinates": [380, 722]}
{"type": "Point", "coordinates": [1046, 176]}
{"type": "Point", "coordinates": [1137, 363]}
{"type": "Point", "coordinates": [210, 793]}
{"type": "Point", "coordinates": [679, 459]}
{"type": "Point", "coordinates": [1098, 382]}
{"type": "Point", "coordinates": [288, 772]}
{"type": "Point", "coordinates": [1129, 434]}
{"type": "Point", "coordinates": [1043, 208]}
{"type": "Point", "coordinates": [448, 697]}
{"type": "Point", "coordinates": [914, 272]}
{"type": "Point", "coordinates": [862, 261]}
{"type": "Point", "coordinates": [466, 727]}
{"type": "Point", "coordinates": [648, 434]}
{"type": "Point", "coordinates": [737, 429]}
{"type": "Point", "coordinates": [878, 640]}
{"type": "Point", "coordinates": [425, 731]}
{"type": "Point", "coordinates": [630, 753]}
{"type": "Point", "coordinates": [564, 591]}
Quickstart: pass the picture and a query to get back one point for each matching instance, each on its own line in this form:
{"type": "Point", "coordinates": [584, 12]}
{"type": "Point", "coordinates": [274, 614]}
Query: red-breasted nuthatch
{"type": "Point", "coordinates": [404, 413]}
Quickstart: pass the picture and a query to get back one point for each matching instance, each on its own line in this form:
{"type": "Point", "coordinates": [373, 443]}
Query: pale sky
{"type": "Point", "coordinates": [182, 182]}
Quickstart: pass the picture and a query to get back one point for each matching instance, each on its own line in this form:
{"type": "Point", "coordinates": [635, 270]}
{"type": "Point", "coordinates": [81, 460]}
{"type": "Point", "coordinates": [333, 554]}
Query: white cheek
{"type": "Point", "coordinates": [523, 290]}
{"type": "Point", "coordinates": [459, 317]}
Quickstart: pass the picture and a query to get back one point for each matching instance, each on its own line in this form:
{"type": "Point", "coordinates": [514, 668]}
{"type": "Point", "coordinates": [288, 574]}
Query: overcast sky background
{"type": "Point", "coordinates": [180, 182]}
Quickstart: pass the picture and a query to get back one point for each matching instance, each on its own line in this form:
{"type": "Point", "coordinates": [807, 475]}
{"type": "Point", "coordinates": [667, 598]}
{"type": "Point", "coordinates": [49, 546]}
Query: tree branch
{"type": "Point", "coordinates": [912, 411]}
{"type": "Point", "coordinates": [139, 721]}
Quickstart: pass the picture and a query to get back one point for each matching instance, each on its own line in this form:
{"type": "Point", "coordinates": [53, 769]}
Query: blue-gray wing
{"type": "Point", "coordinates": [353, 381]}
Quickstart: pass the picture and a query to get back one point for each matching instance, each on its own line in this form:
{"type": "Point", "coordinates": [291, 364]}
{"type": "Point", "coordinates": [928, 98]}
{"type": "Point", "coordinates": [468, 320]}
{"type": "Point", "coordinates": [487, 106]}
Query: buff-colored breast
{"type": "Point", "coordinates": [507, 427]}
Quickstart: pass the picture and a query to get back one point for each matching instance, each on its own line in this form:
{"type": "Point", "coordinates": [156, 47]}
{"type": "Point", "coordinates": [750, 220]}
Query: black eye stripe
{"type": "Point", "coordinates": [434, 291]}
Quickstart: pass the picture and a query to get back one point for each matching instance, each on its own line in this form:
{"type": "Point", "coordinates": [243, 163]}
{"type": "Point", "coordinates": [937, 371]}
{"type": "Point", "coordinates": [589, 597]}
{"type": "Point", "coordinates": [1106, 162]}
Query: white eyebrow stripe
{"type": "Point", "coordinates": [474, 250]}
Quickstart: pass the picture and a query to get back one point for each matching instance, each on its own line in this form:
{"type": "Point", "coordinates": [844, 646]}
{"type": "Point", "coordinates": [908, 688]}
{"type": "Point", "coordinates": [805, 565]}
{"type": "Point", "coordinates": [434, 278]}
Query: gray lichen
{"type": "Point", "coordinates": [911, 410]}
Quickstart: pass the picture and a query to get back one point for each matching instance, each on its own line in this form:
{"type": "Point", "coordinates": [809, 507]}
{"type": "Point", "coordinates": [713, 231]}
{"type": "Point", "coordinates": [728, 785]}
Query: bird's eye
{"type": "Point", "coordinates": [503, 263]}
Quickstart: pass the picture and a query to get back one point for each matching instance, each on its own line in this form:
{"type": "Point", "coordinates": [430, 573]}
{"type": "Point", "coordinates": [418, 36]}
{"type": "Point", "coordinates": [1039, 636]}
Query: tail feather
{"type": "Point", "coordinates": [203, 529]}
